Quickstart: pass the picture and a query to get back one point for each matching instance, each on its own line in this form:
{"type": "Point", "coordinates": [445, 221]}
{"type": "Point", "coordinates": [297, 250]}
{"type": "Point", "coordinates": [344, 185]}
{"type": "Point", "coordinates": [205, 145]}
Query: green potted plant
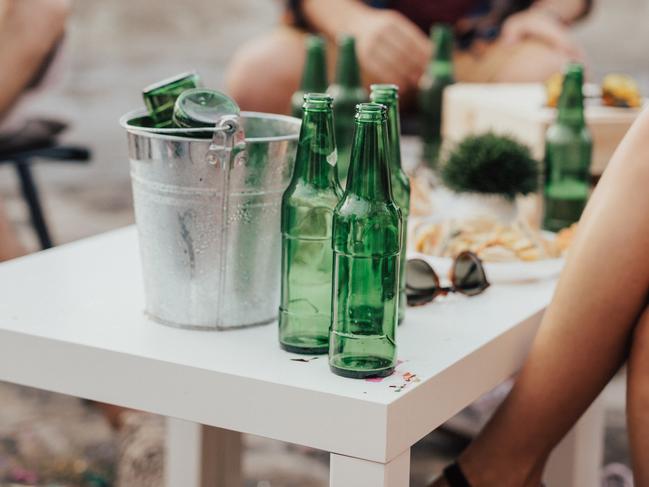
{"type": "Point", "coordinates": [490, 171]}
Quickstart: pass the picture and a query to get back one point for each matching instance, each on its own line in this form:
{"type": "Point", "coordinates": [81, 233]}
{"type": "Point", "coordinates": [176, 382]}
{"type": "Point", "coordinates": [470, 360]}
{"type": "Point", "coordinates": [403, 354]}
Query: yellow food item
{"type": "Point", "coordinates": [491, 240]}
{"type": "Point", "coordinates": [553, 89]}
{"type": "Point", "coordinates": [620, 90]}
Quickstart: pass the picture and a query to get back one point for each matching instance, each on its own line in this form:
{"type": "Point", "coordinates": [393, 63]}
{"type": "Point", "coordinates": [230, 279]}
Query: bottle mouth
{"type": "Point", "coordinates": [315, 42]}
{"type": "Point", "coordinates": [371, 112]}
{"type": "Point", "coordinates": [381, 93]}
{"type": "Point", "coordinates": [179, 79]}
{"type": "Point", "coordinates": [317, 101]}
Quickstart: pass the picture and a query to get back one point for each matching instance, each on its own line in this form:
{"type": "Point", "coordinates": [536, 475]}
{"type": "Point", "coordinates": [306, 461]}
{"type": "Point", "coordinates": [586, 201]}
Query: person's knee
{"type": "Point", "coordinates": [264, 73]}
{"type": "Point", "coordinates": [531, 61]}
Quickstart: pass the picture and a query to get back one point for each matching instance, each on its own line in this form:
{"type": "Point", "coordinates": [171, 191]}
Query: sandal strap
{"type": "Point", "coordinates": [455, 477]}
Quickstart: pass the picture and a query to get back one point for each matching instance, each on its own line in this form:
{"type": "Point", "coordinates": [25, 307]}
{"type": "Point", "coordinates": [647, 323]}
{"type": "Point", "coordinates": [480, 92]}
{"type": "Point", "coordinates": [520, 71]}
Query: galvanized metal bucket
{"type": "Point", "coordinates": [208, 218]}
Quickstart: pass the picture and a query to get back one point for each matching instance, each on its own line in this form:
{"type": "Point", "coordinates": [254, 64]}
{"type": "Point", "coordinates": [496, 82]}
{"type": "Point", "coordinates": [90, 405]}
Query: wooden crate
{"type": "Point", "coordinates": [518, 110]}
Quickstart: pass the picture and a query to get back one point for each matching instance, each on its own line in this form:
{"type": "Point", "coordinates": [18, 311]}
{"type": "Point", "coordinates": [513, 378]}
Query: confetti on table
{"type": "Point", "coordinates": [375, 379]}
{"type": "Point", "coordinates": [305, 360]}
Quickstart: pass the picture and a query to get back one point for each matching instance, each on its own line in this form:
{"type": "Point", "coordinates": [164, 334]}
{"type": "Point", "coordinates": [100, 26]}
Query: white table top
{"type": "Point", "coordinates": [71, 321]}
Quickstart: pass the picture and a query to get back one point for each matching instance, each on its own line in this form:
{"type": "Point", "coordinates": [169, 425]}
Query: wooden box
{"type": "Point", "coordinates": [519, 110]}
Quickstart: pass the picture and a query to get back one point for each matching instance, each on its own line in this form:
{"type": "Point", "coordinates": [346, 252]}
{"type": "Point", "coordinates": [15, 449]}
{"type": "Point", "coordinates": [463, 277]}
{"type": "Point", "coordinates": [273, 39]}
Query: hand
{"type": "Point", "coordinates": [391, 49]}
{"type": "Point", "coordinates": [542, 26]}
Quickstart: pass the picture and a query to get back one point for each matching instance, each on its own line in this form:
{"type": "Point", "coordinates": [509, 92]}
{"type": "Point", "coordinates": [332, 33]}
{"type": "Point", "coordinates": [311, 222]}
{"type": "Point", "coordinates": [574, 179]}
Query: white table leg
{"type": "Point", "coordinates": [354, 472]}
{"type": "Point", "coordinates": [577, 460]}
{"type": "Point", "coordinates": [202, 456]}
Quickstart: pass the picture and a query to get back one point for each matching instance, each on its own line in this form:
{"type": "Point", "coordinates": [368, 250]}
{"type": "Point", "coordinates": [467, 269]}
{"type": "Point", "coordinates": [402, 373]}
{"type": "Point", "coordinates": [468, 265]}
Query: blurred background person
{"type": "Point", "coordinates": [30, 31]}
{"type": "Point", "coordinates": [496, 41]}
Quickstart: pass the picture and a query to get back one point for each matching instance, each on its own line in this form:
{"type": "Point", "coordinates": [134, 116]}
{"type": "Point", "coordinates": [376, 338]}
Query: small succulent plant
{"type": "Point", "coordinates": [491, 164]}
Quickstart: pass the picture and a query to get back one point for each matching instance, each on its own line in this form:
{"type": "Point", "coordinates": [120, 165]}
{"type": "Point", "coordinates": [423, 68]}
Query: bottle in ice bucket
{"type": "Point", "coordinates": [568, 148]}
{"type": "Point", "coordinates": [201, 107]}
{"type": "Point", "coordinates": [388, 95]}
{"type": "Point", "coordinates": [307, 213]}
{"type": "Point", "coordinates": [438, 76]}
{"type": "Point", "coordinates": [314, 76]}
{"type": "Point", "coordinates": [160, 97]}
{"type": "Point", "coordinates": [366, 244]}
{"type": "Point", "coordinates": [347, 92]}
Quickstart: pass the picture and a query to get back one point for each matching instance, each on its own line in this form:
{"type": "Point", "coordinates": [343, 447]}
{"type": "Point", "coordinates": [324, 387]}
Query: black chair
{"type": "Point", "coordinates": [36, 142]}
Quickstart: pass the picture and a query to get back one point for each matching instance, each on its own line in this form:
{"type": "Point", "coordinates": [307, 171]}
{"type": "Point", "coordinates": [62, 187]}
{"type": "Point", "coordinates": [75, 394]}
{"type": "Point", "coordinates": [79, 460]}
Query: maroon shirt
{"type": "Point", "coordinates": [425, 13]}
{"type": "Point", "coordinates": [472, 19]}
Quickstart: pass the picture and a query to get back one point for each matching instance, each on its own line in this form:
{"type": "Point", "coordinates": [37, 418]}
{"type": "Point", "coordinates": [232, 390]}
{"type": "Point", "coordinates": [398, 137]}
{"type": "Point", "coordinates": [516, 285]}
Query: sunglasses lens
{"type": "Point", "coordinates": [468, 274]}
{"type": "Point", "coordinates": [420, 277]}
{"type": "Point", "coordinates": [415, 298]}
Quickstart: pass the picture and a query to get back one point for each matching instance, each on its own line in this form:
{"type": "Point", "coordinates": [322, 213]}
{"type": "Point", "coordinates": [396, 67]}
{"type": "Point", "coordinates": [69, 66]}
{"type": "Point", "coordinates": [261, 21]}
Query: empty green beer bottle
{"type": "Point", "coordinates": [366, 244]}
{"type": "Point", "coordinates": [347, 92]}
{"type": "Point", "coordinates": [200, 107]}
{"type": "Point", "coordinates": [568, 148]}
{"type": "Point", "coordinates": [160, 97]}
{"type": "Point", "coordinates": [307, 213]}
{"type": "Point", "coordinates": [388, 95]}
{"type": "Point", "coordinates": [438, 76]}
{"type": "Point", "coordinates": [314, 76]}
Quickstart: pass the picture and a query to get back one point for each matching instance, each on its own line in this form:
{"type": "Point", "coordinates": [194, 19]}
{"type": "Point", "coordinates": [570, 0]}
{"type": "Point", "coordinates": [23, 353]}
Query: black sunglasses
{"type": "Point", "coordinates": [422, 282]}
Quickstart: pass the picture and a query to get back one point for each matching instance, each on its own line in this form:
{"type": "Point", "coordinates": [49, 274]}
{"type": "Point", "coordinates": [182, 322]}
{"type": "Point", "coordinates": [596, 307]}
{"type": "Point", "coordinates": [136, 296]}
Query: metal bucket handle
{"type": "Point", "coordinates": [228, 143]}
{"type": "Point", "coordinates": [228, 147]}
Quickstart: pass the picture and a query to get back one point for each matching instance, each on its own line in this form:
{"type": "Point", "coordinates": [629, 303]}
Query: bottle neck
{"type": "Point", "coordinates": [347, 70]}
{"type": "Point", "coordinates": [315, 162]}
{"type": "Point", "coordinates": [571, 104]}
{"type": "Point", "coordinates": [442, 62]}
{"type": "Point", "coordinates": [369, 174]}
{"type": "Point", "coordinates": [393, 127]}
{"type": "Point", "coordinates": [441, 68]}
{"type": "Point", "coordinates": [314, 77]}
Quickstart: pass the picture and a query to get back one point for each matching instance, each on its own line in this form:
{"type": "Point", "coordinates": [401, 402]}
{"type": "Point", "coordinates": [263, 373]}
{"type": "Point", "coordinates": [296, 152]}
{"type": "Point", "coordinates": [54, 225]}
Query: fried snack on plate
{"type": "Point", "coordinates": [421, 203]}
{"type": "Point", "coordinates": [564, 239]}
{"type": "Point", "coordinates": [620, 90]}
{"type": "Point", "coordinates": [491, 240]}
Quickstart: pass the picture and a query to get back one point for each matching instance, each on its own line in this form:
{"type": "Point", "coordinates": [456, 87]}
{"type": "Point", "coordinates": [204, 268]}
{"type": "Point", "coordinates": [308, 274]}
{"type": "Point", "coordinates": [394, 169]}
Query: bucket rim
{"type": "Point", "coordinates": [169, 133]}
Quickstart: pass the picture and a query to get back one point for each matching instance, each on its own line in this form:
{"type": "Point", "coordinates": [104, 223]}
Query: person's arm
{"type": "Point", "coordinates": [546, 21]}
{"type": "Point", "coordinates": [390, 47]}
{"type": "Point", "coordinates": [565, 10]}
{"type": "Point", "coordinates": [29, 29]}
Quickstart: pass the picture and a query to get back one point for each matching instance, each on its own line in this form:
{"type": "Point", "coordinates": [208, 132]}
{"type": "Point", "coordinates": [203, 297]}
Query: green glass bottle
{"type": "Point", "coordinates": [568, 150]}
{"type": "Point", "coordinates": [438, 76]}
{"type": "Point", "coordinates": [307, 213]}
{"type": "Point", "coordinates": [388, 95]}
{"type": "Point", "coordinates": [159, 98]}
{"type": "Point", "coordinates": [200, 107]}
{"type": "Point", "coordinates": [366, 245]}
{"type": "Point", "coordinates": [314, 76]}
{"type": "Point", "coordinates": [347, 92]}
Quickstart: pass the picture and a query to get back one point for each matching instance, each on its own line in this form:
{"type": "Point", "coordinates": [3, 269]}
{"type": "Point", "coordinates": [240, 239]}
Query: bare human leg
{"type": "Point", "coordinates": [266, 71]}
{"type": "Point", "coordinates": [524, 62]}
{"type": "Point", "coordinates": [585, 332]}
{"type": "Point", "coordinates": [638, 401]}
{"type": "Point", "coordinates": [10, 246]}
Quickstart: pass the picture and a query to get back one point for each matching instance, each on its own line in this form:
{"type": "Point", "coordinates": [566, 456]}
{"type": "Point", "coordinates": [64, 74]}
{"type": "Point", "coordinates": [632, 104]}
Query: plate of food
{"type": "Point", "coordinates": [510, 252]}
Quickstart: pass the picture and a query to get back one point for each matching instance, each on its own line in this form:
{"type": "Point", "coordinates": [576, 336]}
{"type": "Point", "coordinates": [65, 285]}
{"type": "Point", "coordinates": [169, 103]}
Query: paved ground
{"type": "Point", "coordinates": [114, 48]}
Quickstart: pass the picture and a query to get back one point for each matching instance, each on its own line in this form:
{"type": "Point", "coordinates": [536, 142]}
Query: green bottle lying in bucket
{"type": "Point", "coordinates": [202, 108]}
{"type": "Point", "coordinates": [366, 244]}
{"type": "Point", "coordinates": [160, 97]}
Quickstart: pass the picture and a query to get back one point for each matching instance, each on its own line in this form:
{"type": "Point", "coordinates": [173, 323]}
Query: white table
{"type": "Point", "coordinates": [71, 321]}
